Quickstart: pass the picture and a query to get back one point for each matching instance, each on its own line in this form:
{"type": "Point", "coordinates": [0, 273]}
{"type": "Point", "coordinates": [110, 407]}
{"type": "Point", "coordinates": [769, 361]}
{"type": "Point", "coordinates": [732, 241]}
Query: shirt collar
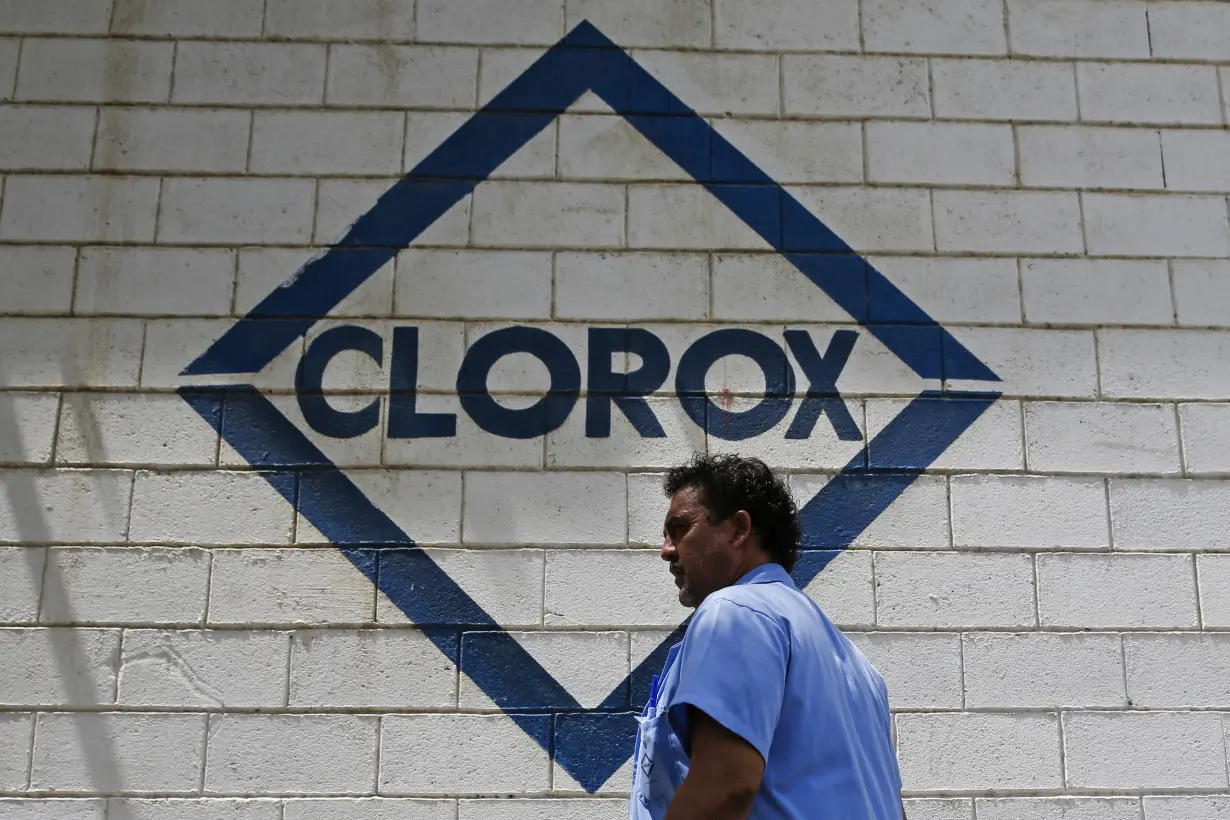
{"type": "Point", "coordinates": [767, 574]}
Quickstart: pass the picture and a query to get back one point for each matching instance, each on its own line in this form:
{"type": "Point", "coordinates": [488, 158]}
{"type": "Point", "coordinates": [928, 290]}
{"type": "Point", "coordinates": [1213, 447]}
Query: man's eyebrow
{"type": "Point", "coordinates": [674, 519]}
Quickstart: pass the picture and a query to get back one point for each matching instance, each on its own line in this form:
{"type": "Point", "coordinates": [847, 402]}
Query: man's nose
{"type": "Point", "coordinates": [668, 550]}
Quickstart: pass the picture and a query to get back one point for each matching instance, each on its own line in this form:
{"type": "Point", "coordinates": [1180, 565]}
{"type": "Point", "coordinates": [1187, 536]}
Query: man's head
{"type": "Point", "coordinates": [727, 516]}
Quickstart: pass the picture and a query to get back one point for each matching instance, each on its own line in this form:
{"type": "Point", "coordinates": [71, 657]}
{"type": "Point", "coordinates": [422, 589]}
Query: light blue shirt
{"type": "Point", "coordinates": [761, 659]}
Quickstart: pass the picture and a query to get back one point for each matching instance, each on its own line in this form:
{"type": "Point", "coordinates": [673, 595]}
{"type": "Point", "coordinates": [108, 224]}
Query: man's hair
{"type": "Point", "coordinates": [728, 483]}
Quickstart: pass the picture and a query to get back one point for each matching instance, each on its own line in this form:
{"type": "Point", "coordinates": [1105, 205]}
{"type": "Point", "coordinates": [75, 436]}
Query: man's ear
{"type": "Point", "coordinates": [741, 529]}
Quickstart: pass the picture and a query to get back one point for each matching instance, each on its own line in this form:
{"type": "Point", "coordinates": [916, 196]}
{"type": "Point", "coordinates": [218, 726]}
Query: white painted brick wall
{"type": "Point", "coordinates": [1048, 603]}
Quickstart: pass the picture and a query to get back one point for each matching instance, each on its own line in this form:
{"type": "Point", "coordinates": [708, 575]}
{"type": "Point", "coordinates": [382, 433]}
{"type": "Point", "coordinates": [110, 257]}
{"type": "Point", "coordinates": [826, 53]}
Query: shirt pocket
{"type": "Point", "coordinates": [655, 769]}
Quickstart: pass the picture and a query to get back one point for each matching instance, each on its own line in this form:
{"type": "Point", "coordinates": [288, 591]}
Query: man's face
{"type": "Point", "coordinates": [702, 556]}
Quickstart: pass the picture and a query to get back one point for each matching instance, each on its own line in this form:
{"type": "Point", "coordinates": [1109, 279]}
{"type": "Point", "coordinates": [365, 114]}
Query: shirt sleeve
{"type": "Point", "coordinates": [733, 668]}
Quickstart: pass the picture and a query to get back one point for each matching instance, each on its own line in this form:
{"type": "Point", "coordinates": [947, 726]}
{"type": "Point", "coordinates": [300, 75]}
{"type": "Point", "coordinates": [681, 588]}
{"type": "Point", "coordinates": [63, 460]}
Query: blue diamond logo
{"type": "Point", "coordinates": [588, 743]}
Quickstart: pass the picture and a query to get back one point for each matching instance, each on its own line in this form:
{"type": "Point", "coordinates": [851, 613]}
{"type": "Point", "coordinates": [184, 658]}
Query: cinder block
{"type": "Point", "coordinates": [1214, 574]}
{"type": "Point", "coordinates": [305, 143]}
{"type": "Point", "coordinates": [841, 86]}
{"type": "Point", "coordinates": [1101, 437]}
{"type": "Point", "coordinates": [1141, 93]}
{"type": "Point", "coordinates": [46, 138]}
{"type": "Point", "coordinates": [125, 585]}
{"type": "Point", "coordinates": [713, 83]}
{"type": "Point", "coordinates": [112, 428]}
{"type": "Point", "coordinates": [470, 284]}
{"type": "Point", "coordinates": [580, 215]}
{"type": "Point", "coordinates": [390, 668]}
{"type": "Point", "coordinates": [237, 211]}
{"type": "Point", "coordinates": [958, 752]}
{"type": "Point", "coordinates": [797, 151]}
{"type": "Point", "coordinates": [172, 345]}
{"type": "Point", "coordinates": [59, 667]}
{"type": "Point", "coordinates": [601, 147]}
{"type": "Point", "coordinates": [952, 290]}
{"type": "Point", "coordinates": [1096, 292]}
{"type": "Point", "coordinates": [544, 508]}
{"type": "Point", "coordinates": [647, 505]}
{"type": "Point", "coordinates": [940, 153]}
{"type": "Point", "coordinates": [786, 25]}
{"type": "Point", "coordinates": [71, 17]}
{"type": "Point", "coordinates": [767, 287]}
{"type": "Point", "coordinates": [64, 506]}
{"type": "Point", "coordinates": [209, 508]}
{"type": "Point", "coordinates": [963, 27]}
{"type": "Point", "coordinates": [1029, 511]}
{"type": "Point", "coordinates": [1085, 157]}
{"type": "Point", "coordinates": [1064, 808]}
{"type": "Point", "coordinates": [1205, 430]}
{"type": "Point", "coordinates": [922, 671]}
{"type": "Point", "coordinates": [1187, 31]}
{"type": "Point", "coordinates": [27, 427]}
{"type": "Point", "coordinates": [79, 209]}
{"type": "Point", "coordinates": [167, 139]}
{"type": "Point", "coordinates": [1116, 591]}
{"type": "Point", "coordinates": [450, 754]}
{"type": "Point", "coordinates": [16, 735]}
{"type": "Point", "coordinates": [1177, 671]}
{"type": "Point", "coordinates": [1176, 514]}
{"type": "Point", "coordinates": [187, 18]}
{"type": "Point", "coordinates": [195, 809]}
{"type": "Point", "coordinates": [202, 668]}
{"type": "Point", "coordinates": [1004, 90]}
{"type": "Point", "coordinates": [470, 447]}
{"type": "Point", "coordinates": [335, 19]}
{"type": "Point", "coordinates": [1144, 364]}
{"type": "Point", "coordinates": [1116, 225]}
{"type": "Point", "coordinates": [261, 271]}
{"type": "Point", "coordinates": [1017, 222]}
{"type": "Point", "coordinates": [262, 586]}
{"type": "Point", "coordinates": [1197, 160]}
{"type": "Point", "coordinates": [610, 588]}
{"type": "Point", "coordinates": [404, 76]}
{"type": "Point", "coordinates": [340, 203]}
{"type": "Point", "coordinates": [533, 809]}
{"type": "Point", "coordinates": [424, 503]}
{"type": "Point", "coordinates": [21, 578]}
{"type": "Point", "coordinates": [57, 353]}
{"type": "Point", "coordinates": [917, 519]}
{"type": "Point", "coordinates": [588, 665]}
{"type": "Point", "coordinates": [155, 281]}
{"type": "Point", "coordinates": [646, 23]}
{"type": "Point", "coordinates": [870, 219]}
{"type": "Point", "coordinates": [1079, 28]}
{"type": "Point", "coordinates": [427, 130]}
{"type": "Point", "coordinates": [625, 447]}
{"type": "Point", "coordinates": [54, 70]}
{"type": "Point", "coordinates": [993, 442]}
{"type": "Point", "coordinates": [1044, 363]}
{"type": "Point", "coordinates": [507, 584]}
{"type": "Point", "coordinates": [524, 22]}
{"type": "Point", "coordinates": [1042, 671]}
{"type": "Point", "coordinates": [1102, 750]}
{"type": "Point", "coordinates": [954, 590]}
{"type": "Point", "coordinates": [821, 450]}
{"type": "Point", "coordinates": [685, 217]}
{"type": "Point", "coordinates": [292, 754]}
{"type": "Point", "coordinates": [112, 752]}
{"type": "Point", "coordinates": [636, 287]}
{"type": "Point", "coordinates": [37, 280]}
{"type": "Point", "coordinates": [9, 51]}
{"type": "Point", "coordinates": [938, 808]}
{"type": "Point", "coordinates": [250, 73]}
{"type": "Point", "coordinates": [1178, 807]}
{"type": "Point", "coordinates": [49, 808]}
{"type": "Point", "coordinates": [369, 808]}
{"type": "Point", "coordinates": [845, 590]}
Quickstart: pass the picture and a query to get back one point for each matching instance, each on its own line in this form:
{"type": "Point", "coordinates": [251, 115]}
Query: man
{"type": "Point", "coordinates": [764, 710]}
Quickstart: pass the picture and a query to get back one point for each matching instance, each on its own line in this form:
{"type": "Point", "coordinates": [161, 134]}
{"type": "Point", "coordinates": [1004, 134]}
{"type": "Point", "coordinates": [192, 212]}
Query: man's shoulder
{"type": "Point", "coordinates": [776, 602]}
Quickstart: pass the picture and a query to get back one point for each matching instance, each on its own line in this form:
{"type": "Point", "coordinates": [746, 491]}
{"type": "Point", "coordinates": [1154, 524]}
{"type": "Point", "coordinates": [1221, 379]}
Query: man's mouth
{"type": "Point", "coordinates": [679, 575]}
